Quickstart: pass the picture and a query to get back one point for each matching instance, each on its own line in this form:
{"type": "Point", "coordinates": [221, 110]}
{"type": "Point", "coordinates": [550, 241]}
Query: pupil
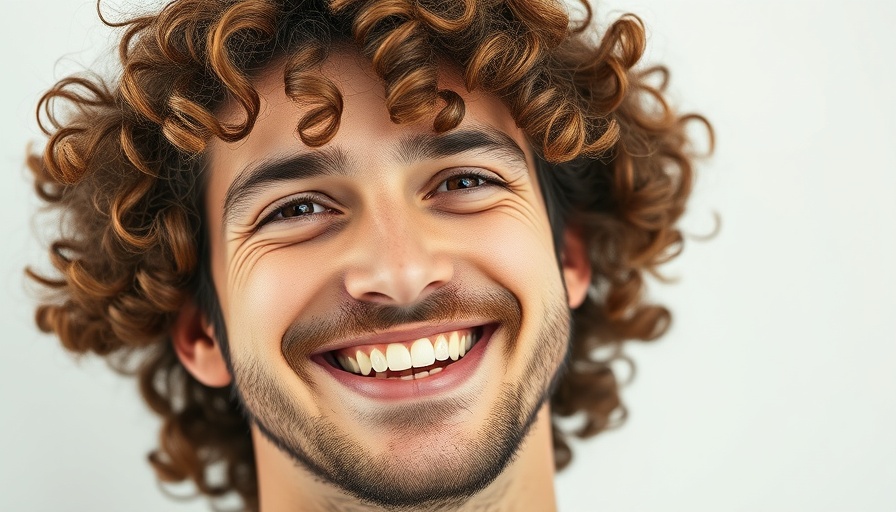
{"type": "Point", "coordinates": [298, 209]}
{"type": "Point", "coordinates": [462, 182]}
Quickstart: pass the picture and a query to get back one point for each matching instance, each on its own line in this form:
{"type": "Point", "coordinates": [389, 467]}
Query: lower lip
{"type": "Point", "coordinates": [450, 378]}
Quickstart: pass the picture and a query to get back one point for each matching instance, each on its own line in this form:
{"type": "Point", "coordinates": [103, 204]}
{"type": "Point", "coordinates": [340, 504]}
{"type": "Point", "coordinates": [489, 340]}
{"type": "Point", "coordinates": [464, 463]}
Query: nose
{"type": "Point", "coordinates": [396, 261]}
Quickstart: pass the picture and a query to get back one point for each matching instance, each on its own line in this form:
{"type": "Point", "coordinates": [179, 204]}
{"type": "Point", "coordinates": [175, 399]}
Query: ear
{"type": "Point", "coordinates": [576, 267]}
{"type": "Point", "coordinates": [198, 349]}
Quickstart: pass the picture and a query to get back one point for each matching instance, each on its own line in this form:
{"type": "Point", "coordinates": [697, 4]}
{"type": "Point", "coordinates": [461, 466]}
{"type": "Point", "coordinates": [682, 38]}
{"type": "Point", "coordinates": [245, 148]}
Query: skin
{"type": "Point", "coordinates": [386, 234]}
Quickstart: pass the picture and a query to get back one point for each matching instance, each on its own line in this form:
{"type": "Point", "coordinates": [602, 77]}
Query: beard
{"type": "Point", "coordinates": [444, 475]}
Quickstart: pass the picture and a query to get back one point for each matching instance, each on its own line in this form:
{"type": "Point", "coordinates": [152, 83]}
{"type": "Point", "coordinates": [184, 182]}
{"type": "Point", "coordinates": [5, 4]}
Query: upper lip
{"type": "Point", "coordinates": [408, 332]}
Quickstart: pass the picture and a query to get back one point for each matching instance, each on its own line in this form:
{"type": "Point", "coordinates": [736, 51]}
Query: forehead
{"type": "Point", "coordinates": [365, 127]}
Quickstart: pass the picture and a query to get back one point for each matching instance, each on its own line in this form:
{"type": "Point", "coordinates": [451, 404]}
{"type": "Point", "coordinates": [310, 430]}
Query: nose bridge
{"type": "Point", "coordinates": [396, 260]}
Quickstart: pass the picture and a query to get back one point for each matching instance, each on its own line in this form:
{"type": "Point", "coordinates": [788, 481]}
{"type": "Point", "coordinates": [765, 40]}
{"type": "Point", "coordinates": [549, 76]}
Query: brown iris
{"type": "Point", "coordinates": [297, 209]}
{"type": "Point", "coordinates": [462, 182]}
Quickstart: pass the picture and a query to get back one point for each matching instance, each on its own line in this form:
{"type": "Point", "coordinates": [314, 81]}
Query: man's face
{"type": "Point", "coordinates": [392, 246]}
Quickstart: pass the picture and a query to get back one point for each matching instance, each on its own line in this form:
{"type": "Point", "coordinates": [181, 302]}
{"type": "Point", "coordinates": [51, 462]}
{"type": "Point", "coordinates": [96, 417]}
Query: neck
{"type": "Point", "coordinates": [527, 483]}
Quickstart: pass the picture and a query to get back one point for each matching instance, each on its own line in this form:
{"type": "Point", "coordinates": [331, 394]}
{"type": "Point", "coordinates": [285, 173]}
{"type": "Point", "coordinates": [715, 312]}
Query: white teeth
{"type": "Point", "coordinates": [378, 361]}
{"type": "Point", "coordinates": [453, 349]}
{"type": "Point", "coordinates": [421, 375]}
{"type": "Point", "coordinates": [398, 356]}
{"type": "Point", "coordinates": [348, 363]}
{"type": "Point", "coordinates": [363, 363]}
{"type": "Point", "coordinates": [422, 353]}
{"type": "Point", "coordinates": [441, 348]}
{"type": "Point", "coordinates": [407, 377]}
{"type": "Point", "coordinates": [435, 370]}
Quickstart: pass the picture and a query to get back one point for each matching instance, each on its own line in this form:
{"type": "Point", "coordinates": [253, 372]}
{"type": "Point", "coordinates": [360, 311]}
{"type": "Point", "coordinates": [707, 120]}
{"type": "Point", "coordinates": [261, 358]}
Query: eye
{"type": "Point", "coordinates": [468, 179]}
{"type": "Point", "coordinates": [304, 207]}
{"type": "Point", "coordinates": [295, 209]}
{"type": "Point", "coordinates": [462, 182]}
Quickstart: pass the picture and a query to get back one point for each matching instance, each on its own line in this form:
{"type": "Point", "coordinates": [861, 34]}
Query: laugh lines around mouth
{"type": "Point", "coordinates": [354, 318]}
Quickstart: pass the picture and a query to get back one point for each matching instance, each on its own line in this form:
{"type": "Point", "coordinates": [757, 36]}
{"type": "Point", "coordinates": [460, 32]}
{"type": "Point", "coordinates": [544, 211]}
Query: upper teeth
{"type": "Point", "coordinates": [402, 356]}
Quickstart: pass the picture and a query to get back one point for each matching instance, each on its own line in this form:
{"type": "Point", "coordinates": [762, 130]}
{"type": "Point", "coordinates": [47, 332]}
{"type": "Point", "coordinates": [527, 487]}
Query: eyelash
{"type": "Point", "coordinates": [484, 179]}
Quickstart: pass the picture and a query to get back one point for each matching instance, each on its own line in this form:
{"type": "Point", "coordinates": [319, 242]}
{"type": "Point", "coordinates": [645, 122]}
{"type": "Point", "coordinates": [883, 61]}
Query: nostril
{"type": "Point", "coordinates": [396, 277]}
{"type": "Point", "coordinates": [376, 297]}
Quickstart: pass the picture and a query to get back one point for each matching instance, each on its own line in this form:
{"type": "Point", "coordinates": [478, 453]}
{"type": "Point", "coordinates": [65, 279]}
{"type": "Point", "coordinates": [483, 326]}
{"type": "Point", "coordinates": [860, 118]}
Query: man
{"type": "Point", "coordinates": [362, 251]}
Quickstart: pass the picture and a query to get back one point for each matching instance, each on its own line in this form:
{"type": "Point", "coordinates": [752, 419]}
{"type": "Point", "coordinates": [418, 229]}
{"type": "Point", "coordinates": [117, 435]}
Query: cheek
{"type": "Point", "coordinates": [279, 286]}
{"type": "Point", "coordinates": [517, 251]}
{"type": "Point", "coordinates": [519, 256]}
{"type": "Point", "coordinates": [274, 286]}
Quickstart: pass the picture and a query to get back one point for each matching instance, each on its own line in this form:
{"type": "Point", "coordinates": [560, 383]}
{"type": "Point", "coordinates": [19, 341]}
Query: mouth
{"type": "Point", "coordinates": [415, 359]}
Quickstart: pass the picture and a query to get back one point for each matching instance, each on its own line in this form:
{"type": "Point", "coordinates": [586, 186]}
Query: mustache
{"type": "Point", "coordinates": [449, 303]}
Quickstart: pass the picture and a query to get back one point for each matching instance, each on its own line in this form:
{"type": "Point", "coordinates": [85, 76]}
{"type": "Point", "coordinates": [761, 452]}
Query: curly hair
{"type": "Point", "coordinates": [123, 164]}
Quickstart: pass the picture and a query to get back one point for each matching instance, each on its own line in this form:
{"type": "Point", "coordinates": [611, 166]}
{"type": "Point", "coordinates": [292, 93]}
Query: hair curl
{"type": "Point", "coordinates": [123, 164]}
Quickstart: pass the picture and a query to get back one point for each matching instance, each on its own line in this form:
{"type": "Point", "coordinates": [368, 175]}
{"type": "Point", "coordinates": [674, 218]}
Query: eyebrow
{"type": "Point", "coordinates": [429, 147]}
{"type": "Point", "coordinates": [268, 172]}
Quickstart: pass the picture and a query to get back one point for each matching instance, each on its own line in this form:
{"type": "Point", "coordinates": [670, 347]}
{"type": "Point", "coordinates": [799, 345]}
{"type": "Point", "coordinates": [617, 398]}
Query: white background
{"type": "Point", "coordinates": [775, 389]}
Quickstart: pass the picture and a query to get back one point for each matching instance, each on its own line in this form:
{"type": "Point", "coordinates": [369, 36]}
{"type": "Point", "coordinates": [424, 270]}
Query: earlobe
{"type": "Point", "coordinates": [197, 348]}
{"type": "Point", "coordinates": [576, 267]}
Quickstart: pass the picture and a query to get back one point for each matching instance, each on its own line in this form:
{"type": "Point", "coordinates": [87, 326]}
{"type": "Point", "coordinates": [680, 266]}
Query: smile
{"type": "Point", "coordinates": [408, 360]}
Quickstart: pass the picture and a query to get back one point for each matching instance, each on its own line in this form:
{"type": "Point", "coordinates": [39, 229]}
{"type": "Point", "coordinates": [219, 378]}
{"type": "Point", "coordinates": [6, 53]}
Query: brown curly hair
{"type": "Point", "coordinates": [123, 164]}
